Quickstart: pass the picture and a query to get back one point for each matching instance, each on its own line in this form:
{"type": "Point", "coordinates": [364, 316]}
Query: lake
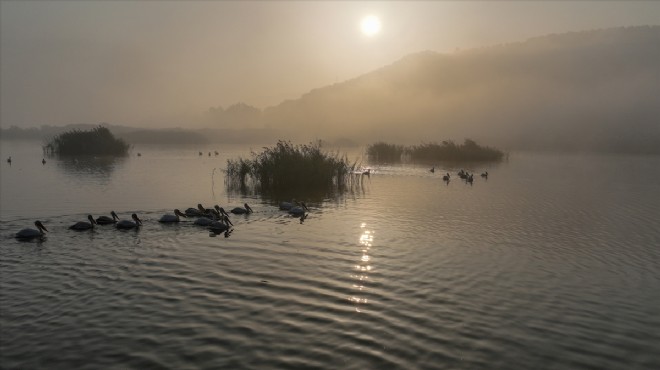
{"type": "Point", "coordinates": [551, 262]}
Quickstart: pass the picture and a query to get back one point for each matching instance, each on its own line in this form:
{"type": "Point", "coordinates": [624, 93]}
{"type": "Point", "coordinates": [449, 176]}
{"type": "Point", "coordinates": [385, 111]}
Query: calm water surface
{"type": "Point", "coordinates": [553, 262]}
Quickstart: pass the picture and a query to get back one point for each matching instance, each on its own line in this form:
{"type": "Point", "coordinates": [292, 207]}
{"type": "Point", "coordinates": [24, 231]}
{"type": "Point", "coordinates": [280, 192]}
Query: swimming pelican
{"type": "Point", "coordinates": [241, 211]}
{"type": "Point", "coordinates": [168, 218]}
{"type": "Point", "coordinates": [221, 225]}
{"type": "Point", "coordinates": [299, 210]}
{"type": "Point", "coordinates": [105, 220]}
{"type": "Point", "coordinates": [221, 211]}
{"type": "Point", "coordinates": [199, 211]}
{"type": "Point", "coordinates": [205, 221]}
{"type": "Point", "coordinates": [128, 224]}
{"type": "Point", "coordinates": [32, 233]}
{"type": "Point", "coordinates": [82, 225]}
{"type": "Point", "coordinates": [285, 206]}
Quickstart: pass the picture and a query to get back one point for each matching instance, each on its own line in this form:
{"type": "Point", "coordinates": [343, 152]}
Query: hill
{"type": "Point", "coordinates": [592, 90]}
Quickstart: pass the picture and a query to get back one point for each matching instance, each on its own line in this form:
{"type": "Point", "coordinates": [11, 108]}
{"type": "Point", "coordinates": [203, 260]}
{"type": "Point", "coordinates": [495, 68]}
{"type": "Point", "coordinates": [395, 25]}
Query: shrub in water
{"type": "Point", "coordinates": [98, 141]}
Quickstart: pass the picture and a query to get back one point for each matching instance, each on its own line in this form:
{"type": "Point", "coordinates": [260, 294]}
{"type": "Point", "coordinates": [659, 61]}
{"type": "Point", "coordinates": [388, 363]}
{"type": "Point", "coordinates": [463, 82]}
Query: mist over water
{"type": "Point", "coordinates": [552, 262]}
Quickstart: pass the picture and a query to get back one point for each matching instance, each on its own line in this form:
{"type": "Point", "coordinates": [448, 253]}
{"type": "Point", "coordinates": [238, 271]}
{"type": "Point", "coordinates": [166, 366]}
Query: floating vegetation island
{"type": "Point", "coordinates": [98, 141]}
{"type": "Point", "coordinates": [431, 152]}
{"type": "Point", "coordinates": [292, 169]}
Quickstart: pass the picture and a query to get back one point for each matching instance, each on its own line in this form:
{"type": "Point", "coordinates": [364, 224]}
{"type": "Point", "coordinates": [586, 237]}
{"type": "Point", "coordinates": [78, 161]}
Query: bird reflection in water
{"type": "Point", "coordinates": [363, 267]}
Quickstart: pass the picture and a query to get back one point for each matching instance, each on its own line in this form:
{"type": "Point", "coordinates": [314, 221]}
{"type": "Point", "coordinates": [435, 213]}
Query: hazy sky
{"type": "Point", "coordinates": [147, 63]}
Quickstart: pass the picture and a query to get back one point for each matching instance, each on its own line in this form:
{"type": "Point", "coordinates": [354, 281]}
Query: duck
{"type": "Point", "coordinates": [28, 233]}
{"type": "Point", "coordinates": [221, 225]}
{"type": "Point", "coordinates": [242, 211]}
{"type": "Point", "coordinates": [169, 218]}
{"type": "Point", "coordinates": [485, 174]}
{"type": "Point", "coordinates": [43, 161]}
{"type": "Point", "coordinates": [105, 220]}
{"type": "Point", "coordinates": [299, 210]}
{"type": "Point", "coordinates": [83, 225]}
{"type": "Point", "coordinates": [446, 177]}
{"type": "Point", "coordinates": [432, 170]}
{"type": "Point", "coordinates": [128, 224]}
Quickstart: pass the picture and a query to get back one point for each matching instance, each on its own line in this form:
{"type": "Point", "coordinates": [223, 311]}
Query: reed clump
{"type": "Point", "coordinates": [286, 168]}
{"type": "Point", "coordinates": [431, 152]}
{"type": "Point", "coordinates": [98, 141]}
{"type": "Point", "coordinates": [384, 152]}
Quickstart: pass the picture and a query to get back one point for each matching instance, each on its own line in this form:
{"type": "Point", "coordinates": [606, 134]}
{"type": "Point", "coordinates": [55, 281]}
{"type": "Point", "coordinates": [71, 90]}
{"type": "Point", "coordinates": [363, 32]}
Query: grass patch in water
{"type": "Point", "coordinates": [288, 169]}
{"type": "Point", "coordinates": [98, 141]}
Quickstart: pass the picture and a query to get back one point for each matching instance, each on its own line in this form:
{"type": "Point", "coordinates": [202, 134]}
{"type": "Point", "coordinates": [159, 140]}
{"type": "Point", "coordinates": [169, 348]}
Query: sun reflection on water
{"type": "Point", "coordinates": [363, 267]}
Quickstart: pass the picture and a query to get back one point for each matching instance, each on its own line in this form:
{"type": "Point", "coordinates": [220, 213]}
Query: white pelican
{"type": "Point", "coordinates": [299, 210]}
{"type": "Point", "coordinates": [221, 211]}
{"type": "Point", "coordinates": [285, 206]}
{"type": "Point", "coordinates": [241, 211]}
{"type": "Point", "coordinates": [82, 225]}
{"type": "Point", "coordinates": [105, 220]}
{"type": "Point", "coordinates": [199, 211]}
{"type": "Point", "coordinates": [205, 221]}
{"type": "Point", "coordinates": [168, 218]}
{"type": "Point", "coordinates": [128, 224]}
{"type": "Point", "coordinates": [32, 233]}
{"type": "Point", "coordinates": [220, 226]}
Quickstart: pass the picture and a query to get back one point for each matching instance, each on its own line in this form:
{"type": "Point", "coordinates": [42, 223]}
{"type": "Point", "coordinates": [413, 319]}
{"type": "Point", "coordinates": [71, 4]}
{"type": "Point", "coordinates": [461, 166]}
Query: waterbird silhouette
{"type": "Point", "coordinates": [43, 160]}
{"type": "Point", "coordinates": [9, 160]}
{"type": "Point", "coordinates": [128, 224]}
{"type": "Point", "coordinates": [170, 218]}
{"type": "Point", "coordinates": [432, 170]}
{"type": "Point", "coordinates": [221, 225]}
{"type": "Point", "coordinates": [242, 211]}
{"type": "Point", "coordinates": [207, 221]}
{"type": "Point", "coordinates": [199, 211]}
{"type": "Point", "coordinates": [105, 220]}
{"type": "Point", "coordinates": [83, 225]}
{"type": "Point", "coordinates": [29, 233]}
{"type": "Point", "coordinates": [446, 177]}
{"type": "Point", "coordinates": [485, 175]}
{"type": "Point", "coordinates": [299, 210]}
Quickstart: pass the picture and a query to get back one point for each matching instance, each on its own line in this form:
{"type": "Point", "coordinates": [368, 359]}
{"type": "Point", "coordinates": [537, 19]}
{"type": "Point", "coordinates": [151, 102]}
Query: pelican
{"type": "Point", "coordinates": [221, 211]}
{"type": "Point", "coordinates": [220, 226]}
{"type": "Point", "coordinates": [285, 206]}
{"type": "Point", "coordinates": [128, 224]}
{"type": "Point", "coordinates": [28, 233]}
{"type": "Point", "coordinates": [168, 218]}
{"type": "Point", "coordinates": [241, 211]}
{"type": "Point", "coordinates": [199, 211]}
{"type": "Point", "coordinates": [205, 221]}
{"type": "Point", "coordinates": [82, 225]}
{"type": "Point", "coordinates": [105, 220]}
{"type": "Point", "coordinates": [299, 210]}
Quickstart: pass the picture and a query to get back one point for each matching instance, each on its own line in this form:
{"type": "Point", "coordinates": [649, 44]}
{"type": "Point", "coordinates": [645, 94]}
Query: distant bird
{"type": "Point", "coordinates": [485, 175]}
{"type": "Point", "coordinates": [43, 160]}
{"type": "Point", "coordinates": [299, 210]}
{"type": "Point", "coordinates": [200, 154]}
{"type": "Point", "coordinates": [446, 177]}
{"type": "Point", "coordinates": [28, 233]}
{"type": "Point", "coordinates": [105, 220]}
{"type": "Point", "coordinates": [469, 179]}
{"type": "Point", "coordinates": [242, 211]}
{"type": "Point", "coordinates": [83, 225]}
{"type": "Point", "coordinates": [139, 154]}
{"type": "Point", "coordinates": [169, 218]}
{"type": "Point", "coordinates": [128, 224]}
{"type": "Point", "coordinates": [209, 154]}
{"type": "Point", "coordinates": [432, 169]}
{"type": "Point", "coordinates": [367, 172]}
{"type": "Point", "coordinates": [216, 152]}
{"type": "Point", "coordinates": [9, 160]}
{"type": "Point", "coordinates": [221, 225]}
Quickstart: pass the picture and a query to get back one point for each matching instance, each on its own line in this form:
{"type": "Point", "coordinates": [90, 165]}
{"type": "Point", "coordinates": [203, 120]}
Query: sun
{"type": "Point", "coordinates": [370, 25]}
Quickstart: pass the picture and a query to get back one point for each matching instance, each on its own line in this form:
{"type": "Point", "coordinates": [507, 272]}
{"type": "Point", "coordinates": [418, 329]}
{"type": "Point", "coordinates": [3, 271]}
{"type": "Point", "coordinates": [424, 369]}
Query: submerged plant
{"type": "Point", "coordinates": [288, 169]}
{"type": "Point", "coordinates": [97, 141]}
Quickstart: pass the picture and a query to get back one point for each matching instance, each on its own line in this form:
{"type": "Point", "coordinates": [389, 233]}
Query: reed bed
{"type": "Point", "coordinates": [98, 141]}
{"type": "Point", "coordinates": [287, 169]}
{"type": "Point", "coordinates": [431, 152]}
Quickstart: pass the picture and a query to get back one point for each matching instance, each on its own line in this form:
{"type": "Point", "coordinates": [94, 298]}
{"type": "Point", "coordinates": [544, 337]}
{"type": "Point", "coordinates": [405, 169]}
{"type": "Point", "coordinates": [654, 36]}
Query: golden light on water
{"type": "Point", "coordinates": [364, 266]}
